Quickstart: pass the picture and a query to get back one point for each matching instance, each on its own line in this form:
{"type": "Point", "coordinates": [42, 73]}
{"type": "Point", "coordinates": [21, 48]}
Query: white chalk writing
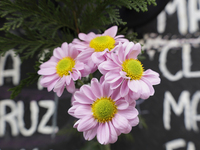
{"type": "Point", "coordinates": [15, 120]}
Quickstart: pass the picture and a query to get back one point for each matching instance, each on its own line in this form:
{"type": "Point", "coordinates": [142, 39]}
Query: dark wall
{"type": "Point", "coordinates": [169, 120]}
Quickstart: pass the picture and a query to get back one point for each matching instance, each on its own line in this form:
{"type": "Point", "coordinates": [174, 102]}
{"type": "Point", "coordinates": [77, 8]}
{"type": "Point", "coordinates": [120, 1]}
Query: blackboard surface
{"type": "Point", "coordinates": [170, 117]}
{"type": "Point", "coordinates": [171, 43]}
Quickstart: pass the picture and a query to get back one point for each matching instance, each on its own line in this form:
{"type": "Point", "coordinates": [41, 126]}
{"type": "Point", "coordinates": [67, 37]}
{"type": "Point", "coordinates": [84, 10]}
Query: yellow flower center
{"type": "Point", "coordinates": [100, 43]}
{"type": "Point", "coordinates": [133, 68]}
{"type": "Point", "coordinates": [104, 109]}
{"type": "Point", "coordinates": [64, 66]}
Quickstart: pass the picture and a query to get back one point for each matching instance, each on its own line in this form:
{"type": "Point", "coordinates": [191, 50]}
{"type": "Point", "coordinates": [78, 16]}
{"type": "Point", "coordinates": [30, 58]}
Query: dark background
{"type": "Point", "coordinates": [150, 134]}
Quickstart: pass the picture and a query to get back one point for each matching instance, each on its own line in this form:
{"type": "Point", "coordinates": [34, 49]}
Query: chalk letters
{"type": "Point", "coordinates": [14, 118]}
{"type": "Point", "coordinates": [14, 72]}
{"type": "Point", "coordinates": [180, 6]}
{"type": "Point", "coordinates": [42, 128]}
{"type": "Point", "coordinates": [182, 104]}
{"type": "Point", "coordinates": [34, 118]}
{"type": "Point", "coordinates": [179, 143]}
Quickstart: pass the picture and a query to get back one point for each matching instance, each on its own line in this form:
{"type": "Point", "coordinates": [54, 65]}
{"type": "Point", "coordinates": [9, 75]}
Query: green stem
{"type": "Point", "coordinates": [80, 81]}
{"type": "Point", "coordinates": [75, 19]}
{"type": "Point", "coordinates": [76, 23]}
{"type": "Point", "coordinates": [90, 76]}
{"type": "Point", "coordinates": [107, 147]}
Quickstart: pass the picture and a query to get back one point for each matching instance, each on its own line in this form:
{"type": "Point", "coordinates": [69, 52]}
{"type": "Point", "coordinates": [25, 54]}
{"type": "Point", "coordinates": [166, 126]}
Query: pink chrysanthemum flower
{"type": "Point", "coordinates": [102, 112]}
{"type": "Point", "coordinates": [125, 70]}
{"type": "Point", "coordinates": [94, 47]}
{"type": "Point", "coordinates": [62, 69]}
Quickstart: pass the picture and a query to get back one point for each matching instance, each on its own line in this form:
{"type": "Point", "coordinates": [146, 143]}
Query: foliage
{"type": "Point", "coordinates": [36, 25]}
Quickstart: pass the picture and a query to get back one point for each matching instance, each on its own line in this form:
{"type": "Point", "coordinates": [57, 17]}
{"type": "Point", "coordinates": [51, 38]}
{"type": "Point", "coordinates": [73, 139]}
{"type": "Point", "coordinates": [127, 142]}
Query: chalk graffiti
{"type": "Point", "coordinates": [15, 120]}
{"type": "Point", "coordinates": [14, 72]}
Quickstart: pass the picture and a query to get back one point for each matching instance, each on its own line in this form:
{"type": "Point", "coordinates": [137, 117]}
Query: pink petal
{"type": "Point", "coordinates": [47, 79]}
{"type": "Point", "coordinates": [82, 98]}
{"type": "Point", "coordinates": [111, 31]}
{"type": "Point", "coordinates": [134, 121]}
{"type": "Point", "coordinates": [120, 40]}
{"type": "Point", "coordinates": [82, 111]}
{"type": "Point", "coordinates": [88, 68]}
{"type": "Point", "coordinates": [60, 83]}
{"type": "Point", "coordinates": [122, 104]}
{"type": "Point", "coordinates": [107, 65]}
{"type": "Point", "coordinates": [79, 66]}
{"type": "Point", "coordinates": [72, 110]}
{"type": "Point", "coordinates": [103, 133]}
{"type": "Point", "coordinates": [68, 79]}
{"type": "Point", "coordinates": [145, 90]}
{"type": "Point", "coordinates": [81, 46]}
{"type": "Point", "coordinates": [59, 87]}
{"type": "Point", "coordinates": [82, 36]}
{"type": "Point", "coordinates": [116, 84]}
{"type": "Point", "coordinates": [74, 102]}
{"type": "Point", "coordinates": [121, 123]}
{"type": "Point", "coordinates": [75, 41]}
{"type": "Point", "coordinates": [149, 85]}
{"type": "Point", "coordinates": [97, 58]}
{"type": "Point", "coordinates": [133, 96]}
{"type": "Point", "coordinates": [135, 51]}
{"type": "Point", "coordinates": [53, 59]}
{"type": "Point", "coordinates": [113, 134]}
{"type": "Point", "coordinates": [106, 89]}
{"type": "Point", "coordinates": [86, 89]}
{"type": "Point", "coordinates": [75, 75]}
{"type": "Point", "coordinates": [102, 53]}
{"type": "Point", "coordinates": [64, 46]}
{"type": "Point", "coordinates": [129, 47]}
{"type": "Point", "coordinates": [87, 37]}
{"type": "Point", "coordinates": [76, 124]}
{"type": "Point", "coordinates": [134, 85]}
{"type": "Point", "coordinates": [58, 53]}
{"type": "Point", "coordinates": [121, 53]}
{"type": "Point", "coordinates": [52, 84]}
{"type": "Point", "coordinates": [124, 89]}
{"type": "Point", "coordinates": [119, 36]}
{"type": "Point", "coordinates": [112, 76]}
{"type": "Point", "coordinates": [91, 35]}
{"type": "Point", "coordinates": [133, 103]}
{"type": "Point", "coordinates": [96, 88]}
{"type": "Point", "coordinates": [59, 91]}
{"type": "Point", "coordinates": [90, 134]}
{"type": "Point", "coordinates": [85, 55]}
{"type": "Point", "coordinates": [86, 123]}
{"type": "Point", "coordinates": [102, 80]}
{"type": "Point", "coordinates": [48, 64]}
{"type": "Point", "coordinates": [72, 51]}
{"type": "Point", "coordinates": [129, 113]}
{"type": "Point", "coordinates": [115, 59]}
{"type": "Point", "coordinates": [47, 71]}
{"type": "Point", "coordinates": [152, 76]}
{"type": "Point", "coordinates": [116, 94]}
{"type": "Point", "coordinates": [71, 87]}
{"type": "Point", "coordinates": [118, 132]}
{"type": "Point", "coordinates": [123, 74]}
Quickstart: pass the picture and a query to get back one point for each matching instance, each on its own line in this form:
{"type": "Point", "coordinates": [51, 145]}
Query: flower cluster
{"type": "Point", "coordinates": [105, 108]}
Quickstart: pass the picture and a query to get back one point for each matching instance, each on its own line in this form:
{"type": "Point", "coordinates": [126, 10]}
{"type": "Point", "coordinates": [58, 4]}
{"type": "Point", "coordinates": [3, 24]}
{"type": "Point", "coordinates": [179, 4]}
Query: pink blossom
{"type": "Point", "coordinates": [102, 112]}
{"type": "Point", "coordinates": [62, 69]}
{"type": "Point", "coordinates": [94, 47]}
{"type": "Point", "coordinates": [125, 71]}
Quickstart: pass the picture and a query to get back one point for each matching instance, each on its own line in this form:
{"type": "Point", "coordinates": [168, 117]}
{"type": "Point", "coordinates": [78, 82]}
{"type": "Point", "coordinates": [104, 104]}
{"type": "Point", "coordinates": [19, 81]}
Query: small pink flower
{"type": "Point", "coordinates": [62, 69]}
{"type": "Point", "coordinates": [102, 112]}
{"type": "Point", "coordinates": [125, 71]}
{"type": "Point", "coordinates": [94, 47]}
